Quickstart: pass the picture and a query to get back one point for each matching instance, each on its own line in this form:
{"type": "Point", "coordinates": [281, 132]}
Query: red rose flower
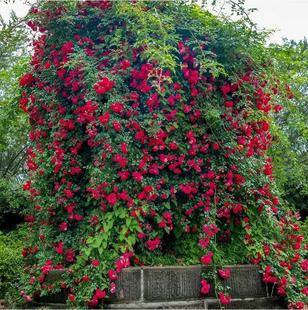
{"type": "Point", "coordinates": [153, 244]}
{"type": "Point", "coordinates": [59, 247]}
{"type": "Point", "coordinates": [85, 278]}
{"type": "Point", "coordinates": [277, 108]}
{"type": "Point", "coordinates": [173, 146]}
{"type": "Point", "coordinates": [141, 235]}
{"type": "Point", "coordinates": [268, 169]}
{"type": "Point", "coordinates": [228, 104]}
{"type": "Point", "coordinates": [205, 287]}
{"type": "Point", "coordinates": [112, 288]}
{"type": "Point", "coordinates": [124, 64]}
{"type": "Point", "coordinates": [26, 80]}
{"type": "Point", "coordinates": [70, 257]}
{"type": "Point", "coordinates": [103, 86]}
{"type": "Point", "coordinates": [224, 299]}
{"type": "Point", "coordinates": [204, 242]}
{"type": "Point", "coordinates": [71, 297]}
{"type": "Point", "coordinates": [123, 261]}
{"type": "Point", "coordinates": [207, 259]}
{"type": "Point", "coordinates": [215, 146]}
{"type": "Point", "coordinates": [137, 176]}
{"type": "Point", "coordinates": [281, 291]}
{"type": "Point", "coordinates": [116, 126]}
{"type": "Point", "coordinates": [104, 119]}
{"type": "Point", "coordinates": [93, 302]}
{"type": "Point", "coordinates": [304, 265]}
{"type": "Point", "coordinates": [225, 89]}
{"type": "Point", "coordinates": [124, 175]}
{"type": "Point", "coordinates": [305, 290]}
{"type": "Point", "coordinates": [75, 170]}
{"type": "Point", "coordinates": [297, 305]}
{"type": "Point", "coordinates": [224, 273]}
{"type": "Point", "coordinates": [67, 47]}
{"type": "Point", "coordinates": [112, 199]}
{"type": "Point", "coordinates": [124, 148]}
{"type": "Point", "coordinates": [95, 263]}
{"type": "Point", "coordinates": [27, 298]}
{"type": "Point", "coordinates": [68, 193]}
{"type": "Point", "coordinates": [112, 275]}
{"type": "Point", "coordinates": [99, 294]}
{"type": "Point", "coordinates": [117, 107]}
{"type": "Point", "coordinates": [63, 226]}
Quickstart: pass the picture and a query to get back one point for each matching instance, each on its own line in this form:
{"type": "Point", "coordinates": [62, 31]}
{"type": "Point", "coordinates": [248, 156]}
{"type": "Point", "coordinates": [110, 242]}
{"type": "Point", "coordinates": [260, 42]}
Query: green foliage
{"type": "Point", "coordinates": [13, 40]}
{"type": "Point", "coordinates": [232, 253]}
{"type": "Point", "coordinates": [13, 122]}
{"type": "Point", "coordinates": [290, 145]}
{"type": "Point", "coordinates": [152, 29]}
{"type": "Point", "coordinates": [180, 251]}
{"type": "Point", "coordinates": [14, 58]}
{"type": "Point", "coordinates": [12, 202]}
{"type": "Point", "coordinates": [11, 263]}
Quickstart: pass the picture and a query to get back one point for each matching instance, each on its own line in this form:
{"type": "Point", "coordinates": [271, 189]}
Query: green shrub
{"type": "Point", "coordinates": [12, 202]}
{"type": "Point", "coordinates": [10, 262]}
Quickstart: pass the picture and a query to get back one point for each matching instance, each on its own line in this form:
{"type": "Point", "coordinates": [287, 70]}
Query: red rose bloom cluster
{"type": "Point", "coordinates": [103, 86]}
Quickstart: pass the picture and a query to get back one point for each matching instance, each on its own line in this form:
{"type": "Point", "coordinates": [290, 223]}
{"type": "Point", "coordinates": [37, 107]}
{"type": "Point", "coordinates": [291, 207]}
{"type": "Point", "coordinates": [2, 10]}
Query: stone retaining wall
{"type": "Point", "coordinates": [172, 283]}
{"type": "Point", "coordinates": [150, 284]}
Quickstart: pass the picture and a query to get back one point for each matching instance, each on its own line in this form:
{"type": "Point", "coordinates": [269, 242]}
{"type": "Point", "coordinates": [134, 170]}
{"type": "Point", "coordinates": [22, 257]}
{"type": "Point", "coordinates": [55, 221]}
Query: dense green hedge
{"type": "Point", "coordinates": [10, 262]}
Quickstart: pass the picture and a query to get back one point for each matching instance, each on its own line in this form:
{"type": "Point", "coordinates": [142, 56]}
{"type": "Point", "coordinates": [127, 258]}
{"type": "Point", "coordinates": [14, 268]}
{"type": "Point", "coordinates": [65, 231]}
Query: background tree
{"type": "Point", "coordinates": [14, 57]}
{"type": "Point", "coordinates": [290, 148]}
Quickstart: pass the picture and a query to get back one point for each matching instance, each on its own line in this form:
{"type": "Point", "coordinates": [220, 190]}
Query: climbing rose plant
{"type": "Point", "coordinates": [150, 120]}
